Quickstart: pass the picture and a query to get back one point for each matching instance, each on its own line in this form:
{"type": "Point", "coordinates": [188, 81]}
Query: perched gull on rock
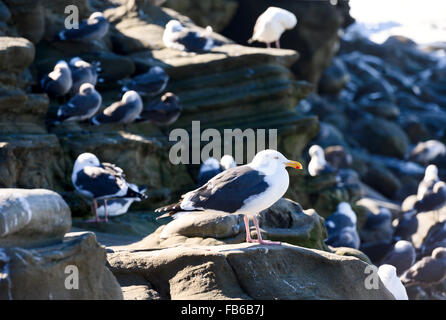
{"type": "Point", "coordinates": [426, 151]}
{"type": "Point", "coordinates": [151, 83]}
{"type": "Point", "coordinates": [341, 227]}
{"type": "Point", "coordinates": [124, 111]}
{"type": "Point", "coordinates": [428, 271]}
{"type": "Point", "coordinates": [436, 237]}
{"type": "Point", "coordinates": [271, 24]}
{"type": "Point", "coordinates": [427, 184]}
{"type": "Point", "coordinates": [83, 72]}
{"type": "Point", "coordinates": [117, 207]}
{"type": "Point", "coordinates": [162, 112]}
{"type": "Point", "coordinates": [211, 167]}
{"type": "Point", "coordinates": [58, 82]}
{"type": "Point", "coordinates": [389, 278]}
{"type": "Point", "coordinates": [100, 181]}
{"type": "Point", "coordinates": [246, 189]}
{"type": "Point", "coordinates": [91, 29]}
{"type": "Point", "coordinates": [406, 227]}
{"type": "Point", "coordinates": [82, 106]}
{"type": "Point", "coordinates": [318, 165]}
{"type": "Point", "coordinates": [402, 256]}
{"type": "Point", "coordinates": [177, 37]}
{"type": "Point", "coordinates": [433, 201]}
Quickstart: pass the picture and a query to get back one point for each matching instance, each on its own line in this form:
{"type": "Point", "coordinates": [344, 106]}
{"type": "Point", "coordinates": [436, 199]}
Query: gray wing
{"type": "Point", "coordinates": [99, 182]}
{"type": "Point", "coordinates": [116, 112]}
{"type": "Point", "coordinates": [80, 106]}
{"type": "Point", "coordinates": [228, 190]}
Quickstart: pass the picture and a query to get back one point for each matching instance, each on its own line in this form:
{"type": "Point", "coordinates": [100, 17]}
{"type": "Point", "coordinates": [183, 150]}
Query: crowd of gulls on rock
{"type": "Point", "coordinates": [246, 189]}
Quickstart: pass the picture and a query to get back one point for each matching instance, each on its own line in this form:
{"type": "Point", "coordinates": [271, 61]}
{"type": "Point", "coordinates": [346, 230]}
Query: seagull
{"type": "Point", "coordinates": [151, 83]}
{"type": "Point", "coordinates": [124, 111]}
{"type": "Point", "coordinates": [162, 112]}
{"type": "Point", "coordinates": [100, 181]}
{"type": "Point", "coordinates": [378, 226]}
{"type": "Point", "coordinates": [58, 82]}
{"type": "Point", "coordinates": [338, 157]}
{"type": "Point", "coordinates": [318, 165]}
{"type": "Point", "coordinates": [83, 72]}
{"type": "Point", "coordinates": [91, 29]}
{"type": "Point", "coordinates": [211, 167]}
{"type": "Point", "coordinates": [341, 227]}
{"type": "Point", "coordinates": [82, 106]}
{"type": "Point", "coordinates": [177, 37]}
{"type": "Point", "coordinates": [117, 207]}
{"type": "Point", "coordinates": [406, 227]}
{"type": "Point", "coordinates": [426, 151]}
{"type": "Point", "coordinates": [246, 189]}
{"type": "Point", "coordinates": [427, 271]}
{"type": "Point", "coordinates": [402, 256]}
{"type": "Point", "coordinates": [427, 184]}
{"type": "Point", "coordinates": [271, 24]}
{"type": "Point", "coordinates": [388, 276]}
{"type": "Point", "coordinates": [433, 201]}
{"type": "Point", "coordinates": [436, 237]}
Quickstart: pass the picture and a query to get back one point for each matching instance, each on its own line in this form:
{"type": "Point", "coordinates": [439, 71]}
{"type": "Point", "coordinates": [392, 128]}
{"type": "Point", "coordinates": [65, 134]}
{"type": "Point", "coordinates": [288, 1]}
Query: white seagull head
{"type": "Point", "coordinates": [431, 172]}
{"type": "Point", "coordinates": [174, 26]}
{"type": "Point", "coordinates": [269, 161]}
{"type": "Point", "coordinates": [61, 64]}
{"type": "Point", "coordinates": [227, 162]}
{"type": "Point", "coordinates": [130, 96]}
{"type": "Point", "coordinates": [95, 16]}
{"type": "Point", "coordinates": [86, 88]}
{"type": "Point", "coordinates": [316, 151]}
{"type": "Point", "coordinates": [439, 253]}
{"type": "Point", "coordinates": [84, 160]}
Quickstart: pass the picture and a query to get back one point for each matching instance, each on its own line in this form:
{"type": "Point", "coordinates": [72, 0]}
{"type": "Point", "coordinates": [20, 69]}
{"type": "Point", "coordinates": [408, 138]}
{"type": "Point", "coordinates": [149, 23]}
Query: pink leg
{"type": "Point", "coordinates": [277, 44]}
{"type": "Point", "coordinates": [259, 235]}
{"type": "Point", "coordinates": [105, 210]}
{"type": "Point", "coordinates": [268, 45]}
{"type": "Point", "coordinates": [248, 232]}
{"type": "Point", "coordinates": [95, 209]}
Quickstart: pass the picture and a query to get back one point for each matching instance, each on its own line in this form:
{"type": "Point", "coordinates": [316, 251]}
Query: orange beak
{"type": "Point", "coordinates": [294, 164]}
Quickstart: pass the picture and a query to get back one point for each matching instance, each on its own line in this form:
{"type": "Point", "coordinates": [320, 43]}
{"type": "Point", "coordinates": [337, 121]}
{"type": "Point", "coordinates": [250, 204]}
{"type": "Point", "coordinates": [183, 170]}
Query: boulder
{"type": "Point", "coordinates": [29, 218]}
{"type": "Point", "coordinates": [16, 54]}
{"type": "Point", "coordinates": [245, 271]}
{"type": "Point", "coordinates": [334, 78]}
{"type": "Point", "coordinates": [49, 272]}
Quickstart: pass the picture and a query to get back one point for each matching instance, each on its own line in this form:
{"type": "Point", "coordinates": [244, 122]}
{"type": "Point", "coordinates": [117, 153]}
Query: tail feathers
{"type": "Point", "coordinates": [173, 210]}
{"type": "Point", "coordinates": [135, 194]}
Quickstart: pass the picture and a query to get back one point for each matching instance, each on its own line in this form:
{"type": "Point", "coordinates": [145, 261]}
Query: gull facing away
{"type": "Point", "coordinates": [82, 106]}
{"type": "Point", "coordinates": [91, 29]}
{"type": "Point", "coordinates": [151, 83]}
{"type": "Point", "coordinates": [388, 276]}
{"type": "Point", "coordinates": [100, 181]}
{"type": "Point", "coordinates": [271, 24]}
{"type": "Point", "coordinates": [83, 72]}
{"type": "Point", "coordinates": [178, 37]}
{"type": "Point", "coordinates": [246, 189]}
{"type": "Point", "coordinates": [58, 82]}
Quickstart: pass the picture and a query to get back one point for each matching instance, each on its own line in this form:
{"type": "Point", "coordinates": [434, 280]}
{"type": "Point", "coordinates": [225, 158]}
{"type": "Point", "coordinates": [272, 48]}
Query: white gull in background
{"type": "Point", "coordinates": [402, 256]}
{"type": "Point", "coordinates": [246, 189]}
{"type": "Point", "coordinates": [91, 29]}
{"type": "Point", "coordinates": [178, 37]}
{"type": "Point", "coordinates": [271, 24]}
{"type": "Point", "coordinates": [58, 82]}
{"type": "Point", "coordinates": [341, 227]}
{"type": "Point", "coordinates": [124, 111]}
{"type": "Point", "coordinates": [427, 151]}
{"type": "Point", "coordinates": [100, 181]}
{"type": "Point", "coordinates": [83, 72]}
{"type": "Point", "coordinates": [211, 167]}
{"type": "Point", "coordinates": [318, 165]}
{"type": "Point", "coordinates": [82, 106]}
{"type": "Point", "coordinates": [389, 278]}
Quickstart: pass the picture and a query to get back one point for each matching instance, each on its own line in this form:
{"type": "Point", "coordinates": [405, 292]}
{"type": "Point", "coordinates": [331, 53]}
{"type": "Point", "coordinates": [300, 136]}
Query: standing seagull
{"type": "Point", "coordinates": [100, 181]}
{"type": "Point", "coordinates": [82, 106]}
{"type": "Point", "coordinates": [389, 278]}
{"type": "Point", "coordinates": [271, 24]}
{"type": "Point", "coordinates": [428, 271]}
{"type": "Point", "coordinates": [163, 112]}
{"type": "Point", "coordinates": [402, 256]}
{"type": "Point", "coordinates": [58, 82]}
{"type": "Point", "coordinates": [124, 111]}
{"type": "Point", "coordinates": [341, 227]}
{"type": "Point", "coordinates": [433, 201]}
{"type": "Point", "coordinates": [427, 184]}
{"type": "Point", "coordinates": [177, 37]}
{"type": "Point", "coordinates": [151, 83]}
{"type": "Point", "coordinates": [318, 165]}
{"type": "Point", "coordinates": [83, 72]}
{"type": "Point", "coordinates": [91, 29]}
{"type": "Point", "coordinates": [426, 151]}
{"type": "Point", "coordinates": [246, 189]}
